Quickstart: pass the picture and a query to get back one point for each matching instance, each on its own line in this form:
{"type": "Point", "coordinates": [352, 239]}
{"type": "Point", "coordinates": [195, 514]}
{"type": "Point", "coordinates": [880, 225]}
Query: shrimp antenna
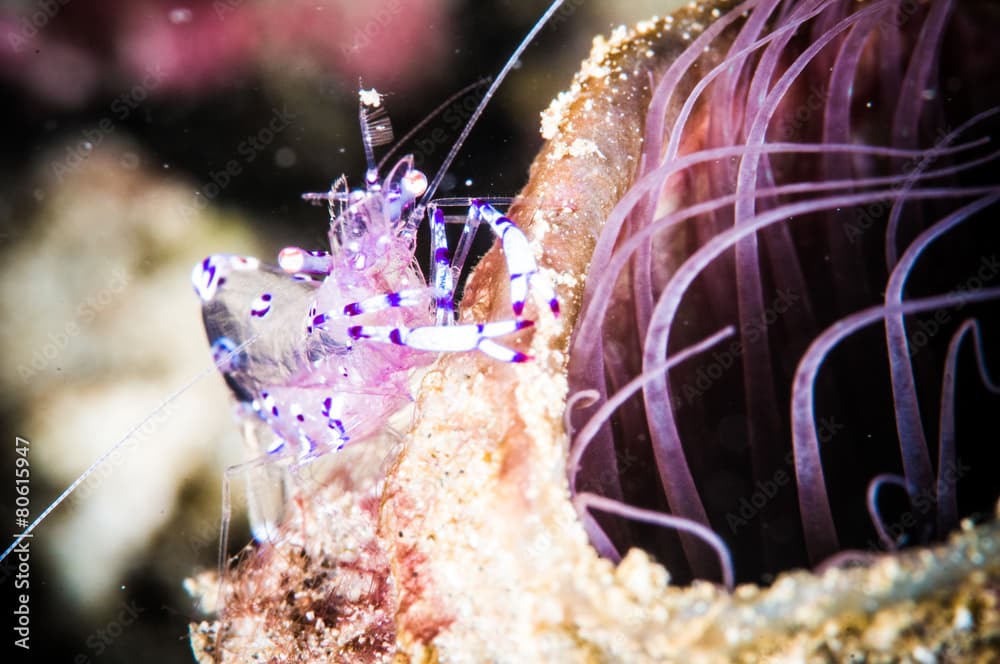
{"type": "Point", "coordinates": [129, 435]}
{"type": "Point", "coordinates": [375, 128]}
{"type": "Point", "coordinates": [511, 61]}
{"type": "Point", "coordinates": [430, 116]}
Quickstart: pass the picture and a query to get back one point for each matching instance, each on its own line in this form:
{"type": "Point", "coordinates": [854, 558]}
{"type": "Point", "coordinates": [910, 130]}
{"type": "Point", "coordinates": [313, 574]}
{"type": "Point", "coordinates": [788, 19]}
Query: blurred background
{"type": "Point", "coordinates": [139, 137]}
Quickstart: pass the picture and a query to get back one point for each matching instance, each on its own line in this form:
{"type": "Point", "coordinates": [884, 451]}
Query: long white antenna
{"type": "Point", "coordinates": [27, 532]}
{"type": "Point", "coordinates": [511, 61]}
{"type": "Point", "coordinates": [430, 116]}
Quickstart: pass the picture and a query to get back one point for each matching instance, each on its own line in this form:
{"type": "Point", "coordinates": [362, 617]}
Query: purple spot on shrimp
{"type": "Point", "coordinates": [353, 309]}
{"type": "Point", "coordinates": [274, 410]}
{"type": "Point", "coordinates": [261, 306]}
{"type": "Point", "coordinates": [222, 346]}
{"type": "Point", "coordinates": [396, 337]}
{"type": "Point", "coordinates": [393, 299]}
{"type": "Point", "coordinates": [518, 307]}
{"type": "Point", "coordinates": [338, 426]}
{"type": "Point", "coordinates": [521, 324]}
{"type": "Point", "coordinates": [520, 357]}
{"type": "Point", "coordinates": [445, 303]}
{"type": "Point", "coordinates": [356, 332]}
{"type": "Point", "coordinates": [442, 255]}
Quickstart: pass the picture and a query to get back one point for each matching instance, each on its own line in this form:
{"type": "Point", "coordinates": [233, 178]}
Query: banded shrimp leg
{"type": "Point", "coordinates": [446, 335]}
{"type": "Point", "coordinates": [271, 479]}
{"type": "Point", "coordinates": [521, 265]}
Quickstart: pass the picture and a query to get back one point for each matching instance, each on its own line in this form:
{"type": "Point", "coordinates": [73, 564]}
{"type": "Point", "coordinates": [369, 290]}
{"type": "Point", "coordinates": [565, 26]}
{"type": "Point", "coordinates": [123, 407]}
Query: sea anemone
{"type": "Point", "coordinates": [817, 181]}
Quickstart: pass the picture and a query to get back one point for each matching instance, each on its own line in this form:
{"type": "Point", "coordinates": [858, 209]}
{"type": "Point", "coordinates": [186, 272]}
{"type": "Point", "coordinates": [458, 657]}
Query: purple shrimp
{"type": "Point", "coordinates": [303, 346]}
{"type": "Point", "coordinates": [318, 351]}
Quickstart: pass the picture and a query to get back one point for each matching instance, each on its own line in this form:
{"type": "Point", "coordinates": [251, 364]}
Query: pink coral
{"type": "Point", "coordinates": [65, 53]}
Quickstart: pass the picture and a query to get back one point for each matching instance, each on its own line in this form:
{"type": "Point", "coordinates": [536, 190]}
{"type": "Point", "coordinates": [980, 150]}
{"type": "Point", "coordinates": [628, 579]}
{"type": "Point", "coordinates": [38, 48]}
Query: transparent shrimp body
{"type": "Point", "coordinates": [318, 351]}
{"type": "Point", "coordinates": [303, 387]}
{"type": "Point", "coordinates": [370, 261]}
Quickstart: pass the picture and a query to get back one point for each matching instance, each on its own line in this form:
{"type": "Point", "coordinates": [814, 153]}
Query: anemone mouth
{"type": "Point", "coordinates": [817, 182]}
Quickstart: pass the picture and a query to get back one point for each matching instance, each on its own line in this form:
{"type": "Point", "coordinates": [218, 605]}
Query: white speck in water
{"type": "Point", "coordinates": [285, 157]}
{"type": "Point", "coordinates": [180, 15]}
{"type": "Point", "coordinates": [929, 94]}
{"type": "Point", "coordinates": [468, 182]}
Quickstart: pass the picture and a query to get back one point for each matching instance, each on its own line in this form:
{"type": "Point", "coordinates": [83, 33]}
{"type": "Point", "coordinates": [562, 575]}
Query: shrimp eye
{"type": "Point", "coordinates": [415, 183]}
